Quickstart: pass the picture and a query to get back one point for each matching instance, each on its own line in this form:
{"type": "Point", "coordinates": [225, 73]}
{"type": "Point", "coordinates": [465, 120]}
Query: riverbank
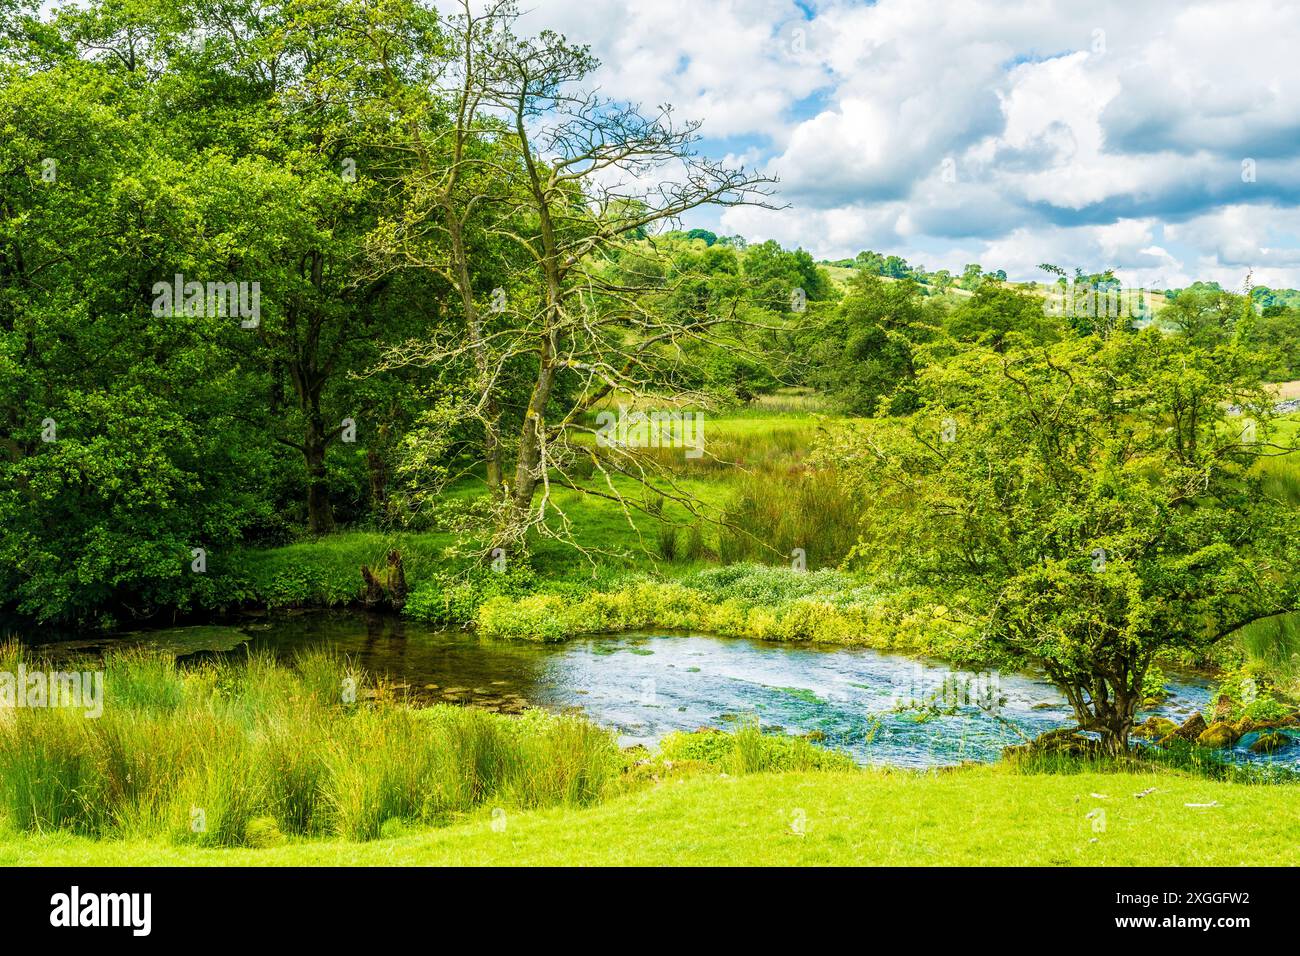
{"type": "Point", "coordinates": [975, 816]}
{"type": "Point", "coordinates": [253, 762]}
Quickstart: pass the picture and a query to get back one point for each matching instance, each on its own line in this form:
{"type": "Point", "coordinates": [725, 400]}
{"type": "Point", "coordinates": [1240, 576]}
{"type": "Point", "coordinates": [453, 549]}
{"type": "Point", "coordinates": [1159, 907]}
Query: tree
{"type": "Point", "coordinates": [1204, 316]}
{"type": "Point", "coordinates": [118, 449]}
{"type": "Point", "coordinates": [971, 276]}
{"type": "Point", "coordinates": [578, 177]}
{"type": "Point", "coordinates": [996, 312]}
{"type": "Point", "coordinates": [1081, 507]}
{"type": "Point", "coordinates": [300, 207]}
{"type": "Point", "coordinates": [864, 351]}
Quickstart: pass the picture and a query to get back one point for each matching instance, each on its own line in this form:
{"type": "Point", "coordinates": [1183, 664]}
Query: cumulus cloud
{"type": "Point", "coordinates": [1160, 137]}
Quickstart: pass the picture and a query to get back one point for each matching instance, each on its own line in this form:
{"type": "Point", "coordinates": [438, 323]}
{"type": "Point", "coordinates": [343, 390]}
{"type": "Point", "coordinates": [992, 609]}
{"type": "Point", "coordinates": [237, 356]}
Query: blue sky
{"type": "Point", "coordinates": [1161, 139]}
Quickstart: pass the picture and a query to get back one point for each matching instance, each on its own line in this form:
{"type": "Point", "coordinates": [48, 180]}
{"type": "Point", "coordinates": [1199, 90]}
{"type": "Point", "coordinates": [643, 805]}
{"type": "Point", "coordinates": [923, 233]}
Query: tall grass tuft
{"type": "Point", "coordinates": [769, 516]}
{"type": "Point", "coordinates": [226, 752]}
{"type": "Point", "coordinates": [1275, 641]}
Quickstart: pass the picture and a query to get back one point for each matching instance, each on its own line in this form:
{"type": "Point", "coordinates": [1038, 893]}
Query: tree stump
{"type": "Point", "coordinates": [390, 591]}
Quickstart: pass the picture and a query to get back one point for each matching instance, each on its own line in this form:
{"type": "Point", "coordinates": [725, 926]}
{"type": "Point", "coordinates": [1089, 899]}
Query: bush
{"type": "Point", "coordinates": [539, 617]}
{"type": "Point", "coordinates": [456, 599]}
{"type": "Point", "coordinates": [1247, 691]}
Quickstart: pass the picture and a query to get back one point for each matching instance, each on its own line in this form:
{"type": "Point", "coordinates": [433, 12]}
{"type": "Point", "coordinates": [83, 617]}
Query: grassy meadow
{"type": "Point", "coordinates": [969, 817]}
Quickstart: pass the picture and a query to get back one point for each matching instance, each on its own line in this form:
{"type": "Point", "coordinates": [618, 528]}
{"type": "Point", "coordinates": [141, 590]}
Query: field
{"type": "Point", "coordinates": [968, 817]}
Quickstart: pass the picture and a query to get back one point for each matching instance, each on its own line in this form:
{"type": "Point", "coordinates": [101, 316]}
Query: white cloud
{"type": "Point", "coordinates": [1105, 134]}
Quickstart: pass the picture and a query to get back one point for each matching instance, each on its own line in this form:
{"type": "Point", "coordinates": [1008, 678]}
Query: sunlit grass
{"type": "Point", "coordinates": [967, 817]}
{"type": "Point", "coordinates": [204, 755]}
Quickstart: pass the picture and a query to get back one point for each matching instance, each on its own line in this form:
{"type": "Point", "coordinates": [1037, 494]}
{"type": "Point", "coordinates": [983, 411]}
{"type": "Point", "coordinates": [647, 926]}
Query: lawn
{"type": "Point", "coordinates": [984, 816]}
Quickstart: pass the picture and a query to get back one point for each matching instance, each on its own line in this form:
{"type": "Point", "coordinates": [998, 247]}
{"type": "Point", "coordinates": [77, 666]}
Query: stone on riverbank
{"type": "Point", "coordinates": [1192, 728]}
{"type": "Point", "coordinates": [1270, 742]}
{"type": "Point", "coordinates": [1154, 728]}
{"type": "Point", "coordinates": [1219, 735]}
{"type": "Point", "coordinates": [1064, 741]}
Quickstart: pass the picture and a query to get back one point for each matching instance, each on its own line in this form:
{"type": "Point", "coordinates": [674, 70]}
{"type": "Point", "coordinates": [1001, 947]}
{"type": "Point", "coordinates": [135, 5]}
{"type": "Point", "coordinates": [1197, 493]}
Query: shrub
{"type": "Point", "coordinates": [1247, 691]}
{"type": "Point", "coordinates": [456, 599]}
{"type": "Point", "coordinates": [539, 617]}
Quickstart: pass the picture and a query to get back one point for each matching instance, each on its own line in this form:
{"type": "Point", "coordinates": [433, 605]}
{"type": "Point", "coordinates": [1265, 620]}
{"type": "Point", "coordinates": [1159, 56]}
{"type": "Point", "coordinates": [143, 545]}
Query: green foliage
{"type": "Point", "coordinates": [455, 599]}
{"type": "Point", "coordinates": [996, 314]}
{"type": "Point", "coordinates": [1249, 692]}
{"type": "Point", "coordinates": [1273, 645]}
{"type": "Point", "coordinates": [1091, 504]}
{"type": "Point", "coordinates": [863, 353]}
{"type": "Point", "coordinates": [748, 749]}
{"type": "Point", "coordinates": [740, 600]}
{"type": "Point", "coordinates": [666, 538]}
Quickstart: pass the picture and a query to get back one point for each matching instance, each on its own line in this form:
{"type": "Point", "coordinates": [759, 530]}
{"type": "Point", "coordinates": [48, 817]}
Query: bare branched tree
{"type": "Point", "coordinates": [556, 183]}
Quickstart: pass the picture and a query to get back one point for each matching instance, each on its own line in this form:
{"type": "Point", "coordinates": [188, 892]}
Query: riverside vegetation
{"type": "Point", "coordinates": [452, 297]}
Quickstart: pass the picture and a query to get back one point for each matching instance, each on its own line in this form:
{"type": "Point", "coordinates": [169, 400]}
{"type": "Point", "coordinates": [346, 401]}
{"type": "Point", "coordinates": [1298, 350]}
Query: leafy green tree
{"type": "Point", "coordinates": [1081, 507]}
{"type": "Point", "coordinates": [971, 276]}
{"type": "Point", "coordinates": [775, 273]}
{"type": "Point", "coordinates": [863, 352]}
{"type": "Point", "coordinates": [120, 451]}
{"type": "Point", "coordinates": [1204, 316]}
{"type": "Point", "coordinates": [997, 312]}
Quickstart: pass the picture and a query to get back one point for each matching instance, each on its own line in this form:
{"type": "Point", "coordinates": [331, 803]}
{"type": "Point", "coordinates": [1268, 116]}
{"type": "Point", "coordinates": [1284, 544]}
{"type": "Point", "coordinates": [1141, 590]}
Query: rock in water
{"type": "Point", "coordinates": [1192, 728]}
{"type": "Point", "coordinates": [1218, 735]}
{"type": "Point", "coordinates": [1154, 728]}
{"type": "Point", "coordinates": [1270, 742]}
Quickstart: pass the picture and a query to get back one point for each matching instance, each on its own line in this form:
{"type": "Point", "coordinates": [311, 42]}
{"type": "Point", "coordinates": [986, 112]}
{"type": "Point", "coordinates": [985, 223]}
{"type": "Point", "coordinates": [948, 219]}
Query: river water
{"type": "Point", "coordinates": [882, 708]}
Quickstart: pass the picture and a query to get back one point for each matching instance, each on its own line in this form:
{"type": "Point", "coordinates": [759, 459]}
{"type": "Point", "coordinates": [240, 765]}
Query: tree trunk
{"type": "Point", "coordinates": [1110, 716]}
{"type": "Point", "coordinates": [474, 325]}
{"type": "Point", "coordinates": [377, 468]}
{"type": "Point", "coordinates": [1119, 721]}
{"type": "Point", "coordinates": [320, 513]}
{"type": "Point", "coordinates": [528, 467]}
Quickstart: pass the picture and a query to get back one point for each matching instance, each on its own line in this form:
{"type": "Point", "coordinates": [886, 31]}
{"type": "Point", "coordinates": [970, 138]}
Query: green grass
{"type": "Point", "coordinates": [968, 817]}
{"type": "Point", "coordinates": [229, 753]}
{"type": "Point", "coordinates": [739, 600]}
{"type": "Point", "coordinates": [326, 571]}
{"type": "Point", "coordinates": [1275, 643]}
